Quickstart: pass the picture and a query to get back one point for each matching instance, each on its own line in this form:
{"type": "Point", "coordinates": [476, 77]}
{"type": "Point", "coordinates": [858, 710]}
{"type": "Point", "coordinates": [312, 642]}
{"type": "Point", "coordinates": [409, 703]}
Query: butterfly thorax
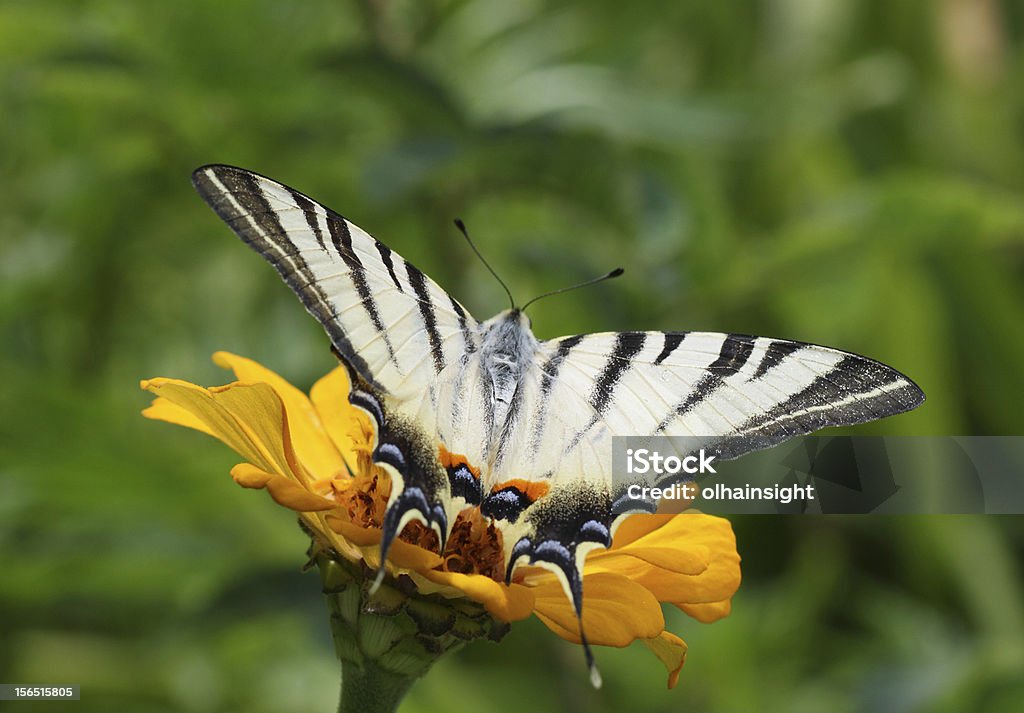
{"type": "Point", "coordinates": [507, 350]}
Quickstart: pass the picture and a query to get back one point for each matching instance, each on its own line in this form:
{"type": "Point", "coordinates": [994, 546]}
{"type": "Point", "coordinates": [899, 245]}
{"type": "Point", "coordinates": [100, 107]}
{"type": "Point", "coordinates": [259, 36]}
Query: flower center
{"type": "Point", "coordinates": [474, 545]}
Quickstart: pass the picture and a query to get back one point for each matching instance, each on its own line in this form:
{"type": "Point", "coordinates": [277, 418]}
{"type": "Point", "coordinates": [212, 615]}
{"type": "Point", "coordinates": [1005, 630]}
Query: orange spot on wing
{"type": "Point", "coordinates": [533, 489]}
{"type": "Point", "coordinates": [451, 460]}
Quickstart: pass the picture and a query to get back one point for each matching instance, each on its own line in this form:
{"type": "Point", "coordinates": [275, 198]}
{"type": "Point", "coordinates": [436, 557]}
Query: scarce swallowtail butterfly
{"type": "Point", "coordinates": [474, 414]}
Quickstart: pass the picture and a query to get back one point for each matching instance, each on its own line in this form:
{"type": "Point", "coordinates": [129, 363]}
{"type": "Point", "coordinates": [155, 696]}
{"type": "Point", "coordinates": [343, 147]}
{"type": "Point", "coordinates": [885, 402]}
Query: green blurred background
{"type": "Point", "coordinates": [842, 172]}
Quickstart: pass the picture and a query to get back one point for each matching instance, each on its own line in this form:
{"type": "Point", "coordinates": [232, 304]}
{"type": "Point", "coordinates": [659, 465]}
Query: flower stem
{"type": "Point", "coordinates": [371, 689]}
{"type": "Point", "coordinates": [390, 637]}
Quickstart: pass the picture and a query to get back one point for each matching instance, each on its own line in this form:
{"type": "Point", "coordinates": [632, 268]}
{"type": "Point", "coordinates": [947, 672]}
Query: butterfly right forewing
{"type": "Point", "coordinates": [387, 319]}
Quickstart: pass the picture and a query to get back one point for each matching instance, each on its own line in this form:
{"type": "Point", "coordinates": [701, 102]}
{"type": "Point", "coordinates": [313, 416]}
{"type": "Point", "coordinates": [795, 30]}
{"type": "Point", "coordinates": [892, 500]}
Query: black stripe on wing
{"type": "Point", "coordinates": [467, 334]}
{"type": "Point", "coordinates": [672, 342]}
{"type": "Point", "coordinates": [385, 258]}
{"type": "Point", "coordinates": [241, 204]}
{"type": "Point", "coordinates": [308, 209]}
{"type": "Point", "coordinates": [774, 355]}
{"type": "Point", "coordinates": [341, 237]}
{"type": "Point", "coordinates": [627, 346]}
{"type": "Point", "coordinates": [428, 311]}
{"type": "Point", "coordinates": [549, 376]}
{"type": "Point", "coordinates": [733, 356]}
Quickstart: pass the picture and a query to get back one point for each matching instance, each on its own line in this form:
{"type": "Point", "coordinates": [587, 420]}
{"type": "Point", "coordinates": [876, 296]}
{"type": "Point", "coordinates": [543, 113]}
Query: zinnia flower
{"type": "Point", "coordinates": [312, 454]}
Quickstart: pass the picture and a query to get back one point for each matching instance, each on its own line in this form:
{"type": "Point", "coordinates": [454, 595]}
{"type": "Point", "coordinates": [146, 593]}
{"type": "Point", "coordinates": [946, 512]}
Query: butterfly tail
{"type": "Point", "coordinates": [565, 563]}
{"type": "Point", "coordinates": [588, 654]}
{"type": "Point", "coordinates": [567, 529]}
{"type": "Point", "coordinates": [419, 490]}
{"type": "Point", "coordinates": [410, 505]}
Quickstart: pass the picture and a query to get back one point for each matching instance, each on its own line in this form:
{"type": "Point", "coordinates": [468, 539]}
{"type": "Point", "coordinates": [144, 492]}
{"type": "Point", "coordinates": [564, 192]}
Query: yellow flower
{"type": "Point", "coordinates": [312, 455]}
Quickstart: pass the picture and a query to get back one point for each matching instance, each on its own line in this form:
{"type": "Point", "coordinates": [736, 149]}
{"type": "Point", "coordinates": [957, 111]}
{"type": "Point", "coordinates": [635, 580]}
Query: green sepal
{"type": "Point", "coordinates": [346, 604]}
{"type": "Point", "coordinates": [431, 617]}
{"type": "Point", "coordinates": [345, 645]}
{"type": "Point", "coordinates": [467, 628]}
{"type": "Point", "coordinates": [386, 601]}
{"type": "Point", "coordinates": [409, 657]}
{"type": "Point", "coordinates": [334, 575]}
{"type": "Point", "coordinates": [377, 634]}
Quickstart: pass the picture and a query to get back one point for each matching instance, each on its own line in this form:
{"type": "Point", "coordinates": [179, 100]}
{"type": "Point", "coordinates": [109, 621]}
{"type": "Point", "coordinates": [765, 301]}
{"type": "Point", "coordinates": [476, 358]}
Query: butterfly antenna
{"type": "Point", "coordinates": [462, 228]}
{"type": "Point", "coordinates": [613, 274]}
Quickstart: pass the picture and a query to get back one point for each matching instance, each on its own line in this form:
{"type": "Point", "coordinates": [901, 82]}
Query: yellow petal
{"type": "Point", "coordinates": [163, 410]}
{"type": "Point", "coordinates": [693, 544]}
{"type": "Point", "coordinates": [689, 560]}
{"type": "Point", "coordinates": [401, 554]}
{"type": "Point", "coordinates": [708, 612]}
{"type": "Point", "coordinates": [339, 418]}
{"type": "Point", "coordinates": [720, 580]}
{"type": "Point", "coordinates": [312, 446]}
{"type": "Point", "coordinates": [671, 650]}
{"type": "Point", "coordinates": [687, 591]}
{"type": "Point", "coordinates": [616, 611]}
{"type": "Point", "coordinates": [248, 418]}
{"type": "Point", "coordinates": [717, 583]}
{"type": "Point", "coordinates": [505, 602]}
{"type": "Point", "coordinates": [636, 526]}
{"type": "Point", "coordinates": [672, 531]}
{"type": "Point", "coordinates": [317, 521]}
{"type": "Point", "coordinates": [284, 491]}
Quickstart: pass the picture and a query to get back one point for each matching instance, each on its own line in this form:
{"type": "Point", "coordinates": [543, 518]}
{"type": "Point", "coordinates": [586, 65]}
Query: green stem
{"type": "Point", "coordinates": [388, 639]}
{"type": "Point", "coordinates": [371, 689]}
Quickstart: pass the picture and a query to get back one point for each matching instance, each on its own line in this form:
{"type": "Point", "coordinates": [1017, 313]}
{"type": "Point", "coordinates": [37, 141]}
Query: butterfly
{"type": "Point", "coordinates": [485, 415]}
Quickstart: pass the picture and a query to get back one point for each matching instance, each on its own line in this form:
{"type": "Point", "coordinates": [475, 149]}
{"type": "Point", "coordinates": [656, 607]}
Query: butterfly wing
{"type": "Point", "coordinates": [735, 393]}
{"type": "Point", "coordinates": [388, 320]}
{"type": "Point", "coordinates": [750, 392]}
{"type": "Point", "coordinates": [546, 479]}
{"type": "Point", "coordinates": [402, 335]}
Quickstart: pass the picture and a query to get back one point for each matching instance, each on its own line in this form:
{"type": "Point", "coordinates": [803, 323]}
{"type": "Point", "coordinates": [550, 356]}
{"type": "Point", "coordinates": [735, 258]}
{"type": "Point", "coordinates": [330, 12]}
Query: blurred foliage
{"type": "Point", "coordinates": [848, 173]}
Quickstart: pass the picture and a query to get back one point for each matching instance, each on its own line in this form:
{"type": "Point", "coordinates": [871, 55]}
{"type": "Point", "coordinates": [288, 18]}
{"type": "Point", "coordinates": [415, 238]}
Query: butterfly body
{"type": "Point", "coordinates": [507, 352]}
{"type": "Point", "coordinates": [485, 415]}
